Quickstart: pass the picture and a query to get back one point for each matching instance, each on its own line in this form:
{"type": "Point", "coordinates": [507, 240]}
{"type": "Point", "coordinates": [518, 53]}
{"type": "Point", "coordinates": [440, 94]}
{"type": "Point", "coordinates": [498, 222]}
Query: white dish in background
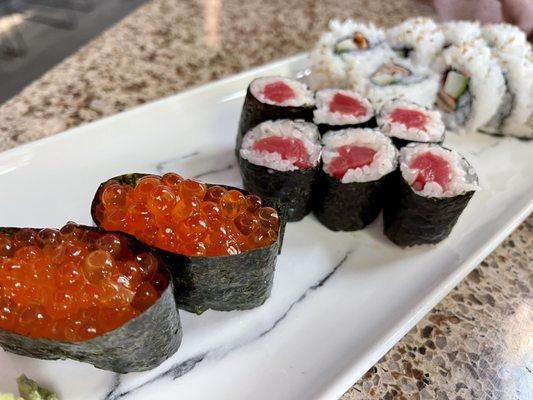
{"type": "Point", "coordinates": [340, 300]}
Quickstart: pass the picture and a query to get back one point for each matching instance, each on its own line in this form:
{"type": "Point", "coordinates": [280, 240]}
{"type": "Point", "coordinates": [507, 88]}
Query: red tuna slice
{"type": "Point", "coordinates": [350, 157]}
{"type": "Point", "coordinates": [431, 168]}
{"type": "Point", "coordinates": [409, 118]}
{"type": "Point", "coordinates": [278, 92]}
{"type": "Point", "coordinates": [288, 148]}
{"type": "Point", "coordinates": [347, 105]}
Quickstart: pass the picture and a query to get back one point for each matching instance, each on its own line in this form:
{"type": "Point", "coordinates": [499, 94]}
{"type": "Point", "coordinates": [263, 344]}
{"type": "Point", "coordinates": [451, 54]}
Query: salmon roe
{"type": "Point", "coordinates": [188, 217]}
{"type": "Point", "coordinates": [73, 284]}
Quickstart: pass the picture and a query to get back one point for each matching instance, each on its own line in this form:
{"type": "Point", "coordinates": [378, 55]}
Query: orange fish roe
{"type": "Point", "coordinates": [73, 284]}
{"type": "Point", "coordinates": [188, 217]}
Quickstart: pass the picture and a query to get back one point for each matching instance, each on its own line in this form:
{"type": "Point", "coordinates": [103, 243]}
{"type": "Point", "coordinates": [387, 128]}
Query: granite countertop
{"type": "Point", "coordinates": [476, 343]}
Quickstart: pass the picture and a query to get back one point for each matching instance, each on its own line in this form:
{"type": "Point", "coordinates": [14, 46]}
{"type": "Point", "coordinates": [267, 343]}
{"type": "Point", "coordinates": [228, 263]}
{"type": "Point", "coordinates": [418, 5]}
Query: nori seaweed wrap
{"type": "Point", "coordinates": [235, 281]}
{"type": "Point", "coordinates": [279, 160]}
{"type": "Point", "coordinates": [140, 344]}
{"type": "Point", "coordinates": [338, 109]}
{"type": "Point", "coordinates": [350, 187]}
{"type": "Point", "coordinates": [271, 98]}
{"type": "Point", "coordinates": [427, 195]}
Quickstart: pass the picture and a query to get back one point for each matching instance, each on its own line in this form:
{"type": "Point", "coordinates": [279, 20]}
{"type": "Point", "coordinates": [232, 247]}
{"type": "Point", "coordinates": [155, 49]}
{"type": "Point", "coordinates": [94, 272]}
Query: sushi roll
{"type": "Point", "coordinates": [505, 36]}
{"type": "Point", "coordinates": [340, 109]}
{"type": "Point", "coordinates": [427, 194]}
{"type": "Point", "coordinates": [274, 97]}
{"type": "Point", "coordinates": [516, 105]}
{"type": "Point", "coordinates": [350, 186]}
{"type": "Point", "coordinates": [406, 122]}
{"type": "Point", "coordinates": [81, 293]}
{"type": "Point", "coordinates": [347, 45]}
{"type": "Point", "coordinates": [457, 32]}
{"type": "Point", "coordinates": [278, 160]}
{"type": "Point", "coordinates": [219, 242]}
{"type": "Point", "coordinates": [400, 78]}
{"type": "Point", "coordinates": [471, 88]}
{"type": "Point", "coordinates": [418, 39]}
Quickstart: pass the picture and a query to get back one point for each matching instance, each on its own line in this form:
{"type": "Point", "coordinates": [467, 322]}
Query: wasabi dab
{"type": "Point", "coordinates": [30, 390]}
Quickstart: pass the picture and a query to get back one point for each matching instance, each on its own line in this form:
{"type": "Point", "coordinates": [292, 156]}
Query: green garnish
{"type": "Point", "coordinates": [9, 396]}
{"type": "Point", "coordinates": [30, 390]}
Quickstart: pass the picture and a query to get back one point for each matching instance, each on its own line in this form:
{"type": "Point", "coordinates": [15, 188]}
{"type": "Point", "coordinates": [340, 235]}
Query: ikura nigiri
{"type": "Point", "coordinates": [221, 242]}
{"type": "Point", "coordinates": [64, 292]}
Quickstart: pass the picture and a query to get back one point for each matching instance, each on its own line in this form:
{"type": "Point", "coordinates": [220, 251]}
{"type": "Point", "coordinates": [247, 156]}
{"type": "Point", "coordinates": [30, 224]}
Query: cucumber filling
{"type": "Point", "coordinates": [454, 86]}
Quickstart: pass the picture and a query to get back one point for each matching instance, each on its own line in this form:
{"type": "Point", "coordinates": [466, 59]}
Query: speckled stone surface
{"type": "Point", "coordinates": [476, 344]}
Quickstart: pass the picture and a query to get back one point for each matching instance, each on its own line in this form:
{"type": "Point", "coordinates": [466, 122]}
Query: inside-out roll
{"type": "Point", "coordinates": [505, 36]}
{"type": "Point", "coordinates": [400, 78]}
{"type": "Point", "coordinates": [457, 32]}
{"type": "Point", "coordinates": [347, 45]}
{"type": "Point", "coordinates": [472, 86]}
{"type": "Point", "coordinates": [516, 106]}
{"type": "Point", "coordinates": [418, 39]}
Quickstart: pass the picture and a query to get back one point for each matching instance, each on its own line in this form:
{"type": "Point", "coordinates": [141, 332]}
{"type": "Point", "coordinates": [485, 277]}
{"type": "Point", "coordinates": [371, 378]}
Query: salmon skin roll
{"type": "Point", "coordinates": [278, 161]}
{"type": "Point", "coordinates": [350, 186]}
{"type": "Point", "coordinates": [405, 122]}
{"type": "Point", "coordinates": [274, 97]}
{"type": "Point", "coordinates": [427, 194]}
{"type": "Point", "coordinates": [340, 109]}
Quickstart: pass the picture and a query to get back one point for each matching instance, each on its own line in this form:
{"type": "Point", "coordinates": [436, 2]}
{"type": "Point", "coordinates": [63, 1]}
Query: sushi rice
{"type": "Point", "coordinates": [457, 32]}
{"type": "Point", "coordinates": [418, 39]}
{"type": "Point", "coordinates": [463, 179]}
{"type": "Point", "coordinates": [516, 105]}
{"type": "Point", "coordinates": [505, 36]}
{"type": "Point", "coordinates": [384, 161]}
{"type": "Point", "coordinates": [304, 131]}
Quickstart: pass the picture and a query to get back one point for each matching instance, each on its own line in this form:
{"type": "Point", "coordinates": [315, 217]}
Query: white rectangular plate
{"type": "Point", "coordinates": [340, 300]}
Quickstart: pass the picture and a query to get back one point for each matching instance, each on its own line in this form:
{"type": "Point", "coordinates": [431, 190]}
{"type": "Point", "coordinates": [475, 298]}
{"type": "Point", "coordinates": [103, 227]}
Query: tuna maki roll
{"type": "Point", "coordinates": [279, 160]}
{"type": "Point", "coordinates": [427, 195]}
{"type": "Point", "coordinates": [400, 78]}
{"type": "Point", "coordinates": [219, 242]}
{"type": "Point", "coordinates": [348, 45]}
{"type": "Point", "coordinates": [85, 294]}
{"type": "Point", "coordinates": [350, 186]}
{"type": "Point", "coordinates": [472, 86]}
{"type": "Point", "coordinates": [340, 109]}
{"type": "Point", "coordinates": [406, 122]}
{"type": "Point", "coordinates": [418, 39]}
{"type": "Point", "coordinates": [274, 97]}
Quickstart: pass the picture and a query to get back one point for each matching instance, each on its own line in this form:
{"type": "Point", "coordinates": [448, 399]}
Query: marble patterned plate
{"type": "Point", "coordinates": [340, 300]}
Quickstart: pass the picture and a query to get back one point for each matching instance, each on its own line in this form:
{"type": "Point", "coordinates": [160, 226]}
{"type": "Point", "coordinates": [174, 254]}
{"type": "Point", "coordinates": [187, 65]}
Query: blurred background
{"type": "Point", "coordinates": [37, 34]}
